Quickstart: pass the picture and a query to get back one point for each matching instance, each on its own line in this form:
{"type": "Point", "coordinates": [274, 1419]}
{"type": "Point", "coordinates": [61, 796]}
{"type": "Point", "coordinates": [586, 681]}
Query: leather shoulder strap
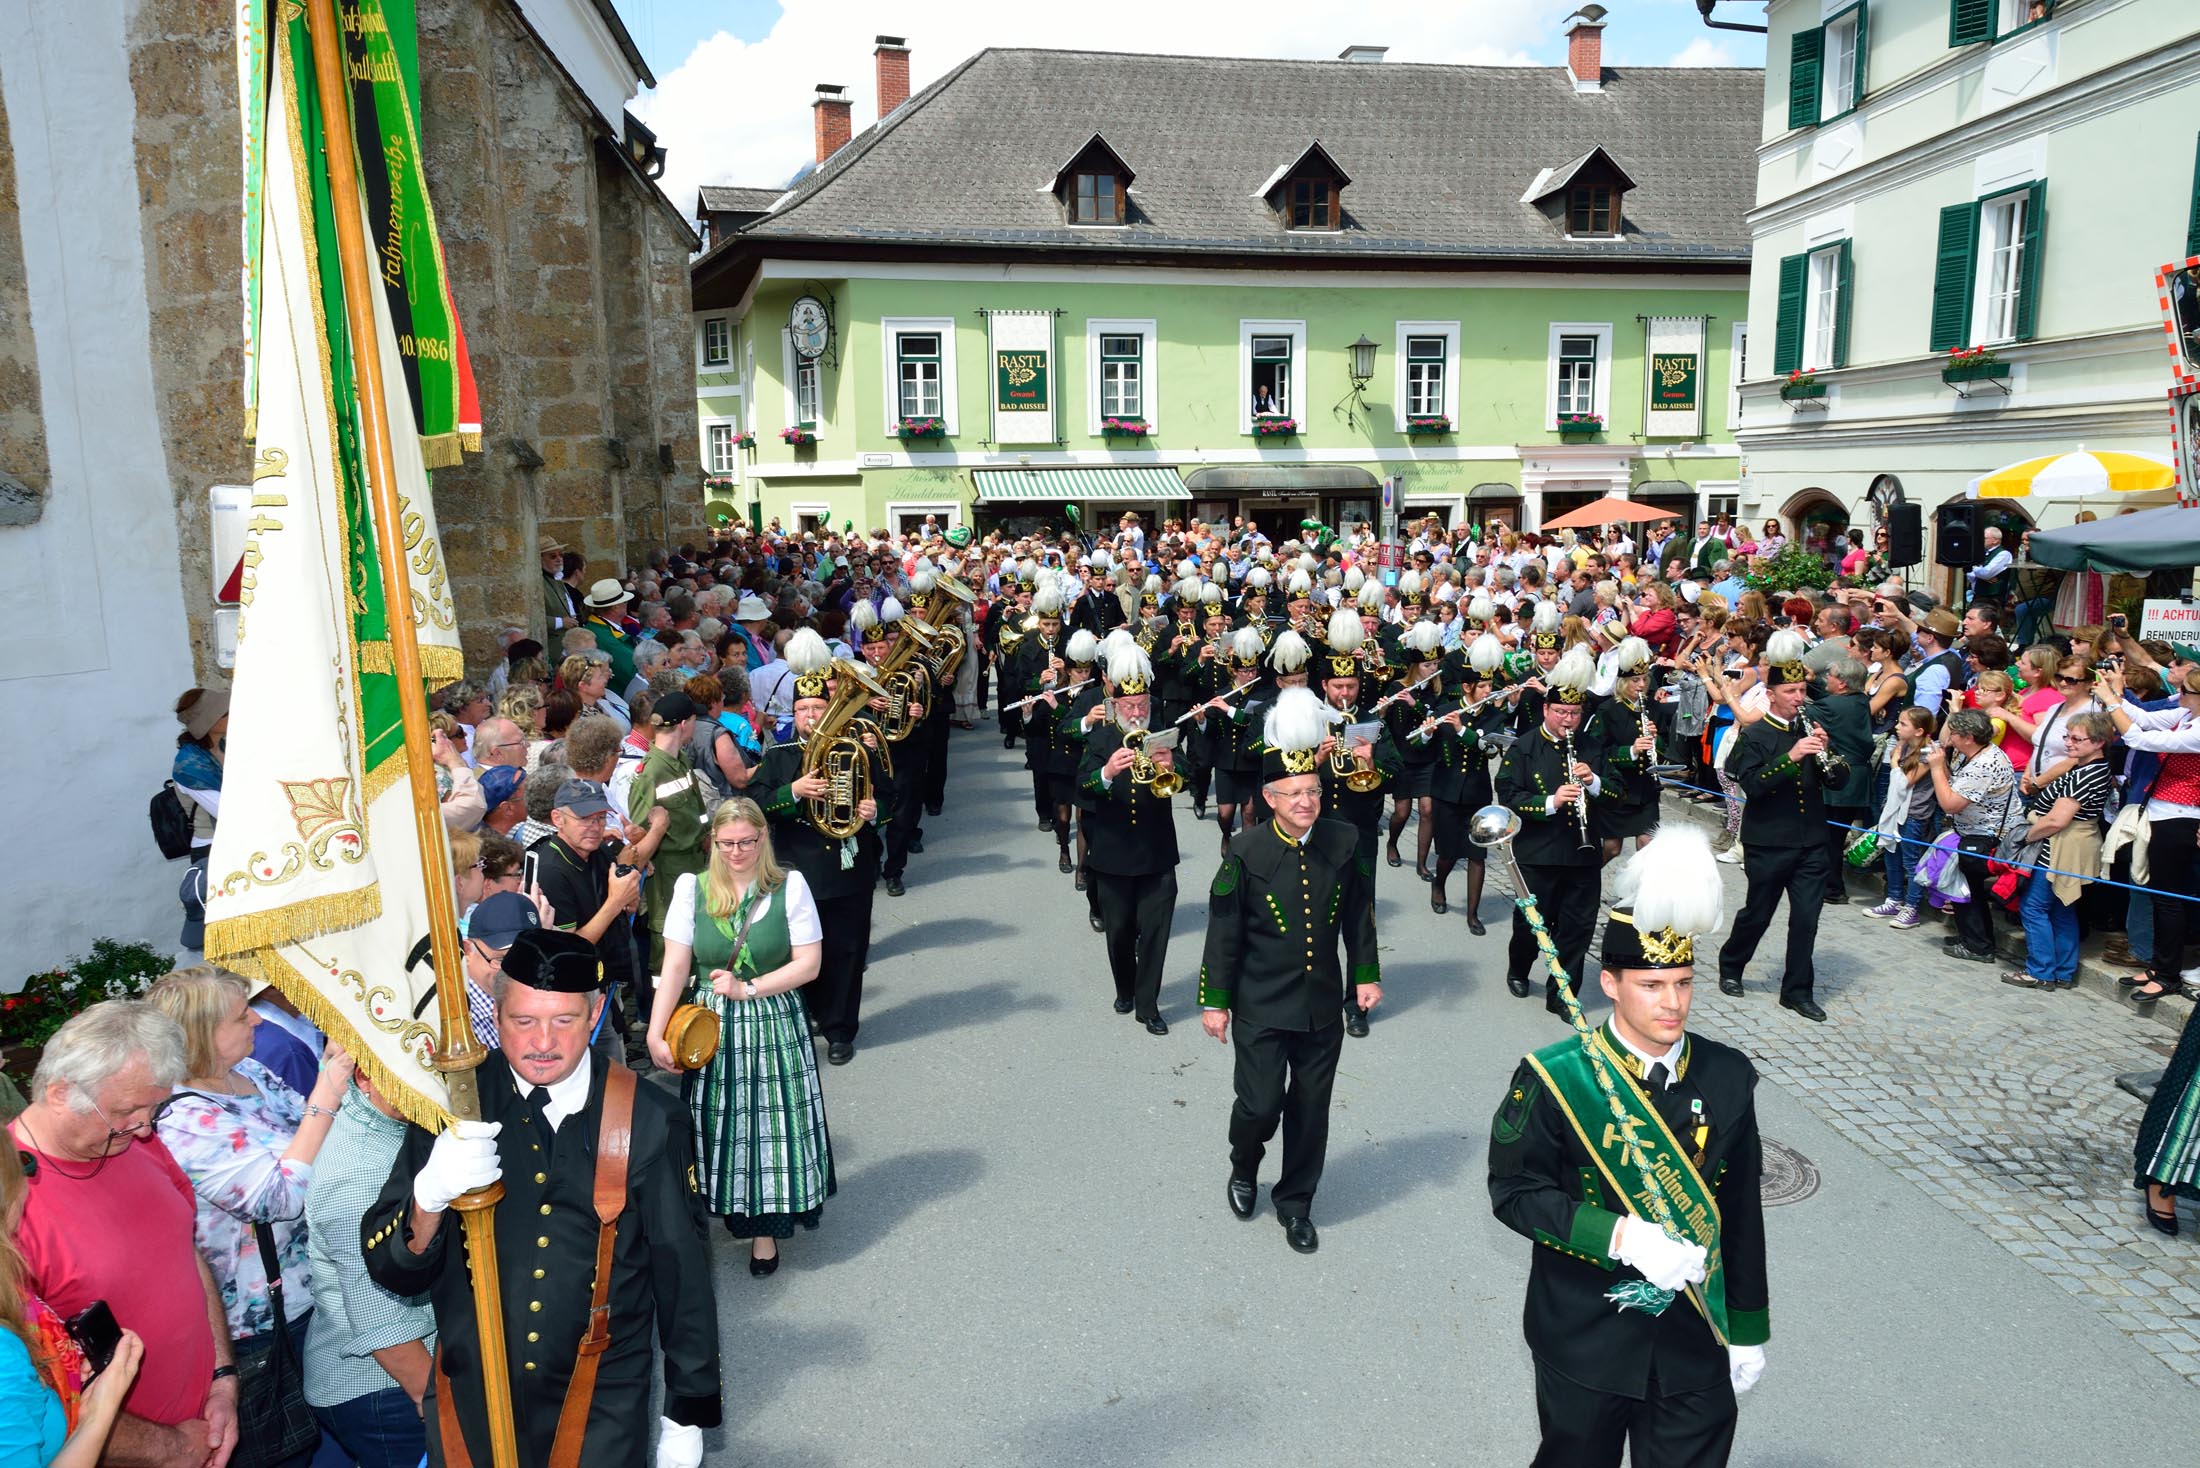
{"type": "Point", "coordinates": [614, 1140]}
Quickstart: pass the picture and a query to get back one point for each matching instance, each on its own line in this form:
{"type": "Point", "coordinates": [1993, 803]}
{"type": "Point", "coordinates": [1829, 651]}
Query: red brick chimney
{"type": "Point", "coordinates": [1585, 47]}
{"type": "Point", "coordinates": [893, 73]}
{"type": "Point", "coordinates": [832, 112]}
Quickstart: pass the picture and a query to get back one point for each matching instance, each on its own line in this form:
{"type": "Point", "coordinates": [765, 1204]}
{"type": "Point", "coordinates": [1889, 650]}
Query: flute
{"type": "Point", "coordinates": [1226, 693]}
{"type": "Point", "coordinates": [1390, 698]}
{"type": "Point", "coordinates": [1429, 724]}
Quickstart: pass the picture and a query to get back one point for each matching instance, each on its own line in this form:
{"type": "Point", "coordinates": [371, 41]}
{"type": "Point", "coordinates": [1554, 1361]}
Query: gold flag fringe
{"type": "Point", "coordinates": [296, 922]}
{"type": "Point", "coordinates": [266, 963]}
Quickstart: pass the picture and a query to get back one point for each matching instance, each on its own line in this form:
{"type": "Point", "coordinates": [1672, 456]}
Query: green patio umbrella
{"type": "Point", "coordinates": [2130, 545]}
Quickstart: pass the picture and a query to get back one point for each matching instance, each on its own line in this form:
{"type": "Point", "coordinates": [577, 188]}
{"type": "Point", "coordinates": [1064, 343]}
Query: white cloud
{"type": "Point", "coordinates": [739, 113]}
{"type": "Point", "coordinates": [1704, 51]}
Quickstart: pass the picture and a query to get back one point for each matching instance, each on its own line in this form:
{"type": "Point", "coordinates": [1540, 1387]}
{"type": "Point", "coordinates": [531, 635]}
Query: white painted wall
{"type": "Point", "coordinates": [96, 648]}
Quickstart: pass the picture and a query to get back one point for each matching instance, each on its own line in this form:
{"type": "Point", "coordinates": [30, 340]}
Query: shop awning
{"type": "Point", "coordinates": [1664, 487]}
{"type": "Point", "coordinates": [1493, 490]}
{"type": "Point", "coordinates": [1140, 485]}
{"type": "Point", "coordinates": [1281, 479]}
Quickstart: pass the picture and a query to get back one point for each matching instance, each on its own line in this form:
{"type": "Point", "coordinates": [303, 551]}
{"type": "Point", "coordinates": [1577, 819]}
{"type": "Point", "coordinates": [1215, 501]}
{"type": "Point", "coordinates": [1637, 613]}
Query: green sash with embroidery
{"type": "Point", "coordinates": [1639, 1158]}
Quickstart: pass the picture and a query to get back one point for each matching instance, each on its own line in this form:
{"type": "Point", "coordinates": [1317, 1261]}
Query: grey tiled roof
{"type": "Point", "coordinates": [719, 198]}
{"type": "Point", "coordinates": [1439, 156]}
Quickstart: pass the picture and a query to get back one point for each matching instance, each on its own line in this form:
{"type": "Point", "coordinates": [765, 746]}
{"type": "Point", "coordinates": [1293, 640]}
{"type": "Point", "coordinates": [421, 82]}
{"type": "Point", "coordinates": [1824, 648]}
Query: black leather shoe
{"type": "Point", "coordinates": [1393, 858]}
{"type": "Point", "coordinates": [1806, 1007]}
{"type": "Point", "coordinates": [1063, 863]}
{"type": "Point", "coordinates": [916, 844]}
{"type": "Point", "coordinates": [1242, 1193]}
{"type": "Point", "coordinates": [839, 1052]}
{"type": "Point", "coordinates": [1355, 1021]}
{"type": "Point", "coordinates": [763, 1268]}
{"type": "Point", "coordinates": [1157, 1026]}
{"type": "Point", "coordinates": [1437, 905]}
{"type": "Point", "coordinates": [1837, 899]}
{"type": "Point", "coordinates": [1081, 883]}
{"type": "Point", "coordinates": [894, 887]}
{"type": "Point", "coordinates": [1046, 823]}
{"type": "Point", "coordinates": [1299, 1233]}
{"type": "Point", "coordinates": [1122, 1006]}
{"type": "Point", "coordinates": [1009, 742]}
{"type": "Point", "coordinates": [1474, 926]}
{"type": "Point", "coordinates": [1199, 810]}
{"type": "Point", "coordinates": [1097, 925]}
{"type": "Point", "coordinates": [1732, 987]}
{"type": "Point", "coordinates": [931, 809]}
{"type": "Point", "coordinates": [1552, 1004]}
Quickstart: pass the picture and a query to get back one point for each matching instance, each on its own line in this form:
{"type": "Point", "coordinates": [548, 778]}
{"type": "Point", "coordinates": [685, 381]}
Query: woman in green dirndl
{"type": "Point", "coordinates": [740, 939]}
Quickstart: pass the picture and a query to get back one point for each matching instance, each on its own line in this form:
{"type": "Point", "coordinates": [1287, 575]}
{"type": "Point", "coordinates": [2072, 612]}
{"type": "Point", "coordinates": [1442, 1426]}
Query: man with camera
{"type": "Point", "coordinates": [591, 892]}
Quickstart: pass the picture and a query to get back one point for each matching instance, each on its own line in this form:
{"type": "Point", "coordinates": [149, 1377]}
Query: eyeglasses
{"type": "Point", "coordinates": [152, 1118]}
{"type": "Point", "coordinates": [746, 843]}
{"type": "Point", "coordinates": [28, 1161]}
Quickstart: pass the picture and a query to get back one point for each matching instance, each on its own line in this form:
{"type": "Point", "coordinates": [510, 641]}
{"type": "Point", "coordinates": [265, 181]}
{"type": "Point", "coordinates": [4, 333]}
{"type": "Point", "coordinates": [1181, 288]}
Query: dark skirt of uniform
{"type": "Point", "coordinates": [2168, 1151]}
{"type": "Point", "coordinates": [1459, 785]}
{"type": "Point", "coordinates": [764, 1158]}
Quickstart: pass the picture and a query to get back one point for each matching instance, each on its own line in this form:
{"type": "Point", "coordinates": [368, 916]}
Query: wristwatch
{"type": "Point", "coordinates": [222, 1371]}
{"type": "Point", "coordinates": [748, 988]}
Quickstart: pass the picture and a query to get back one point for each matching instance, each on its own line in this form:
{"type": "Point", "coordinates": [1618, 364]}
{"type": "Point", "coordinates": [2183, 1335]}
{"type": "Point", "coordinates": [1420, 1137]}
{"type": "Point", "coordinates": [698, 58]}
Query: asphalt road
{"type": "Point", "coordinates": [1030, 1260]}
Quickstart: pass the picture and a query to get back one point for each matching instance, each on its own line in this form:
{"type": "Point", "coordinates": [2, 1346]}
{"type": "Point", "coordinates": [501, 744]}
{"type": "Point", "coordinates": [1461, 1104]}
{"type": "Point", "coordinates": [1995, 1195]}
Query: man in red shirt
{"type": "Point", "coordinates": [109, 1217]}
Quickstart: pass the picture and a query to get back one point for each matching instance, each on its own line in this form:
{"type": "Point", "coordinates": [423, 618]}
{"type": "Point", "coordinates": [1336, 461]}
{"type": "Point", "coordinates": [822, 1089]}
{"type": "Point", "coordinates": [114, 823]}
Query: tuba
{"type": "Point", "coordinates": [902, 683]}
{"type": "Point", "coordinates": [944, 655]}
{"type": "Point", "coordinates": [836, 754]}
{"type": "Point", "coordinates": [1146, 770]}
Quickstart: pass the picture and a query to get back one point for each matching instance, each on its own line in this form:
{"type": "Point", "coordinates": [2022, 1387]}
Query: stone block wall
{"type": "Point", "coordinates": [24, 472]}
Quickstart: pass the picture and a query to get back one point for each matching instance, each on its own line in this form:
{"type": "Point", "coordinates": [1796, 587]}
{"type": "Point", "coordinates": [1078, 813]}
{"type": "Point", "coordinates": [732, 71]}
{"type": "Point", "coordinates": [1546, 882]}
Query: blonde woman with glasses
{"type": "Point", "coordinates": [740, 939]}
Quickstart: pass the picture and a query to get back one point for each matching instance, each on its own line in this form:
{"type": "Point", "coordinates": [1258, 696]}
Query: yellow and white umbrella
{"type": "Point", "coordinates": [2077, 476]}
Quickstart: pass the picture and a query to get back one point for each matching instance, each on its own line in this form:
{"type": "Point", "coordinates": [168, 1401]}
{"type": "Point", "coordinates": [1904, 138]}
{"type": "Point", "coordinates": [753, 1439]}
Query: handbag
{"type": "Point", "coordinates": [273, 1421]}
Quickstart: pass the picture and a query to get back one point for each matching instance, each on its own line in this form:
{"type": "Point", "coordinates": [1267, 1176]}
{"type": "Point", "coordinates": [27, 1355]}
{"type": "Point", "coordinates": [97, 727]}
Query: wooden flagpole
{"type": "Point", "coordinates": [460, 1051]}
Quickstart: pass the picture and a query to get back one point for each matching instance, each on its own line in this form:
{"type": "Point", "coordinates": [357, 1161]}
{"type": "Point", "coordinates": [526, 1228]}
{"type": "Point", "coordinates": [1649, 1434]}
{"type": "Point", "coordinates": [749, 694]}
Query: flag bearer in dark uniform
{"type": "Point", "coordinates": [1037, 666]}
{"type": "Point", "coordinates": [1624, 745]}
{"type": "Point", "coordinates": [1233, 733]}
{"type": "Point", "coordinates": [1560, 860]}
{"type": "Point", "coordinates": [600, 1235]}
{"type": "Point", "coordinates": [1354, 772]}
{"type": "Point", "coordinates": [1783, 834]}
{"type": "Point", "coordinates": [842, 871]}
{"type": "Point", "coordinates": [905, 794]}
{"type": "Point", "coordinates": [1460, 784]}
{"type": "Point", "coordinates": [1647, 1307]}
{"type": "Point", "coordinates": [1285, 896]}
{"type": "Point", "coordinates": [1419, 650]}
{"type": "Point", "coordinates": [1126, 798]}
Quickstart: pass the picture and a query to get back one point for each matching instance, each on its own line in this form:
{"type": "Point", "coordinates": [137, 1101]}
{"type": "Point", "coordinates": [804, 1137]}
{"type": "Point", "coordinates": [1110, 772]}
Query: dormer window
{"type": "Point", "coordinates": [1094, 186]}
{"type": "Point", "coordinates": [1584, 199]}
{"type": "Point", "coordinates": [1591, 211]}
{"type": "Point", "coordinates": [1307, 192]}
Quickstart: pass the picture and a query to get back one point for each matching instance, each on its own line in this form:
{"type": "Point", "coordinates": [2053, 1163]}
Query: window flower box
{"type": "Point", "coordinates": [1125, 428]}
{"type": "Point", "coordinates": [1973, 364]}
{"type": "Point", "coordinates": [922, 428]}
{"type": "Point", "coordinates": [1575, 427]}
{"type": "Point", "coordinates": [718, 484]}
{"type": "Point", "coordinates": [801, 438]}
{"type": "Point", "coordinates": [1427, 427]}
{"type": "Point", "coordinates": [1801, 385]}
{"type": "Point", "coordinates": [1275, 425]}
{"type": "Point", "coordinates": [744, 440]}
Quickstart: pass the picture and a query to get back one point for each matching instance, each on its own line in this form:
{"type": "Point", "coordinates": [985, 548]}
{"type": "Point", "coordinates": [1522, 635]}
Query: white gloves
{"type": "Point", "coordinates": [1663, 1260]}
{"type": "Point", "coordinates": [464, 1158]}
{"type": "Point", "coordinates": [681, 1446]}
{"type": "Point", "coordinates": [1744, 1364]}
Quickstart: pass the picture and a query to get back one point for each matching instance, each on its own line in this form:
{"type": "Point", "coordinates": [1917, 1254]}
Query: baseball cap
{"type": "Point", "coordinates": [500, 782]}
{"type": "Point", "coordinates": [582, 798]}
{"type": "Point", "coordinates": [671, 709]}
{"type": "Point", "coordinates": [500, 918]}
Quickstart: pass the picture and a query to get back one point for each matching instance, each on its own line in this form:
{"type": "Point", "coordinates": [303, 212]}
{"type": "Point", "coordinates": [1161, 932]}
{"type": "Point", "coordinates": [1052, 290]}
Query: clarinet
{"type": "Point", "coordinates": [1581, 805]}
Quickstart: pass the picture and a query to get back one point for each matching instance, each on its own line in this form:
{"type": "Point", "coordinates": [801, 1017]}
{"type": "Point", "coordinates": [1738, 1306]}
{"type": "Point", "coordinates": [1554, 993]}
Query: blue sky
{"type": "Point", "coordinates": [735, 77]}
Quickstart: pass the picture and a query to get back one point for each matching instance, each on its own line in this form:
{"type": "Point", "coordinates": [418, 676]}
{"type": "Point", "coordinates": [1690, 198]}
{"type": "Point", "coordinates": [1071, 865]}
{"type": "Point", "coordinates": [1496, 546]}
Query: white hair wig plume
{"type": "Point", "coordinates": [1345, 632]}
{"type": "Point", "coordinates": [1290, 653]}
{"type": "Point", "coordinates": [1423, 637]}
{"type": "Point", "coordinates": [1575, 671]}
{"type": "Point", "coordinates": [1785, 646]}
{"type": "Point", "coordinates": [807, 652]}
{"type": "Point", "coordinates": [1674, 882]}
{"type": "Point", "coordinates": [1083, 646]}
{"type": "Point", "coordinates": [1486, 654]}
{"type": "Point", "coordinates": [1246, 646]}
{"type": "Point", "coordinates": [1047, 600]}
{"type": "Point", "coordinates": [1298, 720]}
{"type": "Point", "coordinates": [1633, 655]}
{"type": "Point", "coordinates": [1127, 663]}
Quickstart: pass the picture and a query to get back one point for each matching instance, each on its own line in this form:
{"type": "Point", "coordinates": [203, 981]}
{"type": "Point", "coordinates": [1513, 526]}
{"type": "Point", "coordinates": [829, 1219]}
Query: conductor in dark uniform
{"type": "Point", "coordinates": [1783, 836]}
{"type": "Point", "coordinates": [1560, 861]}
{"type": "Point", "coordinates": [1289, 890]}
{"type": "Point", "coordinates": [1647, 1307]}
{"type": "Point", "coordinates": [842, 871]}
{"type": "Point", "coordinates": [589, 1286]}
{"type": "Point", "coordinates": [1132, 854]}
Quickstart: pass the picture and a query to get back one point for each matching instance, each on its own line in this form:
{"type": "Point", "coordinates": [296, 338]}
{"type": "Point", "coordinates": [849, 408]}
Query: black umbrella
{"type": "Point", "coordinates": [2131, 545]}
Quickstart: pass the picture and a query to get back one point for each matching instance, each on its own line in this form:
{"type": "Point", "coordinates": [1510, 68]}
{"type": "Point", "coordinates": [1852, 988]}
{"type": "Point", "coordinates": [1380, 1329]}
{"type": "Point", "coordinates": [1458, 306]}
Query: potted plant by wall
{"type": "Point", "coordinates": [29, 1017]}
{"type": "Point", "coordinates": [801, 438]}
{"type": "Point", "coordinates": [1275, 425]}
{"type": "Point", "coordinates": [1801, 384]}
{"type": "Point", "coordinates": [922, 428]}
{"type": "Point", "coordinates": [1116, 427]}
{"type": "Point", "coordinates": [1423, 425]}
{"type": "Point", "coordinates": [1973, 364]}
{"type": "Point", "coordinates": [1573, 427]}
{"type": "Point", "coordinates": [744, 440]}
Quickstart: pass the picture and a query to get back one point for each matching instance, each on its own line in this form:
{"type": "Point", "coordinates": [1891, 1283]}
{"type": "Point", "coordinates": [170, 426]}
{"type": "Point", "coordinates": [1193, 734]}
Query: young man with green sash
{"type": "Point", "coordinates": [1629, 1154]}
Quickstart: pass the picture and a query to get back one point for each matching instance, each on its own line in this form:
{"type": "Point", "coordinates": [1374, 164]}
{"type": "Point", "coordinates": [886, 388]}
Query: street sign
{"type": "Point", "coordinates": [2173, 620]}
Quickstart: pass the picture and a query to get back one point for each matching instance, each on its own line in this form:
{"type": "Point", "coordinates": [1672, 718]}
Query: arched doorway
{"type": "Point", "coordinates": [1818, 522]}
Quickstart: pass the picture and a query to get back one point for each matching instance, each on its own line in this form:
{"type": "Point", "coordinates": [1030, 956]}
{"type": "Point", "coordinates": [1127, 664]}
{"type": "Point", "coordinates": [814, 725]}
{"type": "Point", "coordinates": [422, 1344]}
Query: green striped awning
{"type": "Point", "coordinates": [1060, 486]}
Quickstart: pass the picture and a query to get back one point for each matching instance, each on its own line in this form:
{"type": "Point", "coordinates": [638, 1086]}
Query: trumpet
{"type": "Point", "coordinates": [1345, 766]}
{"type": "Point", "coordinates": [1145, 769]}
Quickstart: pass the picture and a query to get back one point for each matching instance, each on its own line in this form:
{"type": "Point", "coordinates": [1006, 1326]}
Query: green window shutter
{"type": "Point", "coordinates": [1843, 278]}
{"type": "Point", "coordinates": [1787, 336]}
{"type": "Point", "coordinates": [1863, 26]}
{"type": "Point", "coordinates": [2192, 217]}
{"type": "Point", "coordinates": [1806, 55]}
{"type": "Point", "coordinates": [2028, 270]}
{"type": "Point", "coordinates": [1955, 268]}
{"type": "Point", "coordinates": [1970, 20]}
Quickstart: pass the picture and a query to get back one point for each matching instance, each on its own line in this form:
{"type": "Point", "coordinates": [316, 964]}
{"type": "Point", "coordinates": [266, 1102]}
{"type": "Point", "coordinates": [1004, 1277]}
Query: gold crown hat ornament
{"type": "Point", "coordinates": [1632, 657]}
{"type": "Point", "coordinates": [1423, 642]}
{"type": "Point", "coordinates": [1047, 600]}
{"type": "Point", "coordinates": [1569, 681]}
{"type": "Point", "coordinates": [1292, 735]}
{"type": "Point", "coordinates": [812, 662]}
{"type": "Point", "coordinates": [1410, 590]}
{"type": "Point", "coordinates": [1083, 649]}
{"type": "Point", "coordinates": [1666, 899]}
{"type": "Point", "coordinates": [1371, 597]}
{"type": "Point", "coordinates": [1212, 602]}
{"type": "Point", "coordinates": [1246, 648]}
{"type": "Point", "coordinates": [1345, 639]}
{"type": "Point", "coordinates": [1300, 587]}
{"type": "Point", "coordinates": [1480, 610]}
{"type": "Point", "coordinates": [864, 619]}
{"type": "Point", "coordinates": [1544, 630]}
{"type": "Point", "coordinates": [1486, 654]}
{"type": "Point", "coordinates": [1130, 671]}
{"type": "Point", "coordinates": [1784, 651]}
{"type": "Point", "coordinates": [1290, 653]}
{"type": "Point", "coordinates": [1150, 595]}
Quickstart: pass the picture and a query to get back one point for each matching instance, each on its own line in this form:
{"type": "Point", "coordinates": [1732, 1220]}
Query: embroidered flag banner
{"type": "Point", "coordinates": [1022, 354]}
{"type": "Point", "coordinates": [1674, 375]}
{"type": "Point", "coordinates": [315, 882]}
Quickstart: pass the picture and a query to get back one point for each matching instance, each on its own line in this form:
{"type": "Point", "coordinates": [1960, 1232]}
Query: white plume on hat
{"type": "Point", "coordinates": [923, 579]}
{"type": "Point", "coordinates": [1121, 636]}
{"type": "Point", "coordinates": [1245, 645]}
{"type": "Point", "coordinates": [1083, 646]}
{"type": "Point", "coordinates": [1047, 601]}
{"type": "Point", "coordinates": [1673, 882]}
{"type": "Point", "coordinates": [1575, 671]}
{"type": "Point", "coordinates": [1547, 617]}
{"type": "Point", "coordinates": [1189, 588]}
{"type": "Point", "coordinates": [1345, 632]}
{"type": "Point", "coordinates": [1259, 577]}
{"type": "Point", "coordinates": [1371, 596]}
{"type": "Point", "coordinates": [1300, 584]}
{"type": "Point", "coordinates": [1486, 654]}
{"type": "Point", "coordinates": [1785, 646]}
{"type": "Point", "coordinates": [1153, 584]}
{"type": "Point", "coordinates": [1309, 562]}
{"type": "Point", "coordinates": [889, 611]}
{"type": "Point", "coordinates": [1211, 594]}
{"type": "Point", "coordinates": [1409, 584]}
{"type": "Point", "coordinates": [863, 616]}
{"type": "Point", "coordinates": [1423, 637]}
{"type": "Point", "coordinates": [1633, 656]}
{"type": "Point", "coordinates": [1127, 663]}
{"type": "Point", "coordinates": [1099, 561]}
{"type": "Point", "coordinates": [806, 652]}
{"type": "Point", "coordinates": [1354, 579]}
{"type": "Point", "coordinates": [1290, 653]}
{"type": "Point", "coordinates": [1298, 720]}
{"type": "Point", "coordinates": [1481, 609]}
{"type": "Point", "coordinates": [1186, 569]}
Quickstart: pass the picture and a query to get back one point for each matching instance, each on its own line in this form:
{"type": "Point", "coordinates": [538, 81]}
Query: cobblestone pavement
{"type": "Point", "coordinates": [1998, 1103]}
